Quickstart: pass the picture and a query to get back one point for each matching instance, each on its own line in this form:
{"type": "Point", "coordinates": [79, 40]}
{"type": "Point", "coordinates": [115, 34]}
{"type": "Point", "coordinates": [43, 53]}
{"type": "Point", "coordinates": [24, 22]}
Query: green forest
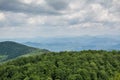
{"type": "Point", "coordinates": [66, 65]}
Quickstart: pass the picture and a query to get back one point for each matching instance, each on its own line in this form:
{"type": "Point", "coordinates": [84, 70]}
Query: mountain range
{"type": "Point", "coordinates": [77, 43]}
{"type": "Point", "coordinates": [11, 49]}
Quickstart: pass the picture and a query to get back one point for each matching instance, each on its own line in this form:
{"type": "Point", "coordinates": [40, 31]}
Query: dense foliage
{"type": "Point", "coordinates": [83, 65]}
{"type": "Point", "coordinates": [3, 57]}
{"type": "Point", "coordinates": [13, 50]}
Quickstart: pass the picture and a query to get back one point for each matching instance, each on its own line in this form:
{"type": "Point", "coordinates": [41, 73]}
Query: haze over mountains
{"type": "Point", "coordinates": [76, 43]}
{"type": "Point", "coordinates": [72, 43]}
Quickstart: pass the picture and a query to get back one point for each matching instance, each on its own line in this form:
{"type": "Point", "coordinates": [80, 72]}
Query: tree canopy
{"type": "Point", "coordinates": [73, 65]}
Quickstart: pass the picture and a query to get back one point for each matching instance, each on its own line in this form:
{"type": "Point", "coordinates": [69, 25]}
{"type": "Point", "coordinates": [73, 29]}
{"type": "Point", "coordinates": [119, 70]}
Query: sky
{"type": "Point", "coordinates": [59, 18]}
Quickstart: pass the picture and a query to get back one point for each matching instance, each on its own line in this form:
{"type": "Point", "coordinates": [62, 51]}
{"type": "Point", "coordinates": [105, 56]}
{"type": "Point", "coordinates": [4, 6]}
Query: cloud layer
{"type": "Point", "coordinates": [50, 18]}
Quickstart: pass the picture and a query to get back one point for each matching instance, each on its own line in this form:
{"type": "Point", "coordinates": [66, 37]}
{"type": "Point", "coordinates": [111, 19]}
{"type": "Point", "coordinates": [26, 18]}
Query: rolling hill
{"type": "Point", "coordinates": [10, 50]}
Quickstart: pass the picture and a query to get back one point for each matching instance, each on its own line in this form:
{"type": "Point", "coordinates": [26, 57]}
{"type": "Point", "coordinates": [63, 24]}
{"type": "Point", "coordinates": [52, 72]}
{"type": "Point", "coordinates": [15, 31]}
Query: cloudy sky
{"type": "Point", "coordinates": [57, 18]}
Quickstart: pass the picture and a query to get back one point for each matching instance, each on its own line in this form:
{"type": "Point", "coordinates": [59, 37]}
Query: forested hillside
{"type": "Point", "coordinates": [10, 50]}
{"type": "Point", "coordinates": [83, 65]}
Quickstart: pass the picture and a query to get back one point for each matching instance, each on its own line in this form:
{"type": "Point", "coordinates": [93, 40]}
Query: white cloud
{"type": "Point", "coordinates": [2, 16]}
{"type": "Point", "coordinates": [27, 1]}
{"type": "Point", "coordinates": [59, 18]}
{"type": "Point", "coordinates": [36, 20]}
{"type": "Point", "coordinates": [116, 3]}
{"type": "Point", "coordinates": [38, 2]}
{"type": "Point", "coordinates": [102, 14]}
{"type": "Point", "coordinates": [18, 32]}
